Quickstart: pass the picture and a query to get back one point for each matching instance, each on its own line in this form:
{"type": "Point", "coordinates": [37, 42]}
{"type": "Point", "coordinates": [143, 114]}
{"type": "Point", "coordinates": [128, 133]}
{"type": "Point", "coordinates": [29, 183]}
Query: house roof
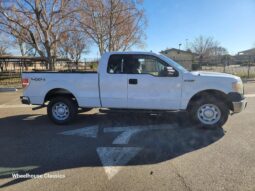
{"type": "Point", "coordinates": [175, 49]}
{"type": "Point", "coordinates": [247, 52]}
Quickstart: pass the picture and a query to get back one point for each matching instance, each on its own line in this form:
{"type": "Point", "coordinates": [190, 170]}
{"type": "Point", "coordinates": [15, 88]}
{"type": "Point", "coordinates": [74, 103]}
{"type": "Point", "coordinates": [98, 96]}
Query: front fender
{"type": "Point", "coordinates": [188, 95]}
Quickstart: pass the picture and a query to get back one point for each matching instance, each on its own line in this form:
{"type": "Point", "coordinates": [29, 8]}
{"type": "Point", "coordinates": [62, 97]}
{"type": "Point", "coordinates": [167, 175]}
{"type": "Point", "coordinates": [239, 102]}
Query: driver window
{"type": "Point", "coordinates": [143, 64]}
{"type": "Point", "coordinates": [151, 65]}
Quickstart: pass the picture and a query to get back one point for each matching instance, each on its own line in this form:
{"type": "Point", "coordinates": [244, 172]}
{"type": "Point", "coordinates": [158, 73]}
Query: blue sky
{"type": "Point", "coordinates": [170, 22]}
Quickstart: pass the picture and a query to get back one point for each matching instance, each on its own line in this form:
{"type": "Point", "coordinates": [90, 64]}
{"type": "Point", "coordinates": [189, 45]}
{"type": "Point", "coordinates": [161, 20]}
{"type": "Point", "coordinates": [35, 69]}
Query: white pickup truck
{"type": "Point", "coordinates": [141, 81]}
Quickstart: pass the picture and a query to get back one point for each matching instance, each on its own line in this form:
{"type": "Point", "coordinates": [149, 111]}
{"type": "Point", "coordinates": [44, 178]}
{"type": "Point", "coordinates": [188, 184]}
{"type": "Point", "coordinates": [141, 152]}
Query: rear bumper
{"type": "Point", "coordinates": [25, 100]}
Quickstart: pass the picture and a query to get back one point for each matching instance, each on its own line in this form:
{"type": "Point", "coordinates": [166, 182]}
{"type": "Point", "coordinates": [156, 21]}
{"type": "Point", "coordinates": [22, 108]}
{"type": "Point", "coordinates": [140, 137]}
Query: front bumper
{"type": "Point", "coordinates": [239, 106]}
{"type": "Point", "coordinates": [238, 101]}
{"type": "Point", "coordinates": [25, 100]}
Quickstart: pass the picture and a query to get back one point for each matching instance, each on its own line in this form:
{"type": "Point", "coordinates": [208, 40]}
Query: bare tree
{"type": "Point", "coordinates": [39, 23]}
{"type": "Point", "coordinates": [3, 49]}
{"type": "Point", "coordinates": [4, 44]}
{"type": "Point", "coordinates": [25, 48]}
{"type": "Point", "coordinates": [112, 24]}
{"type": "Point", "coordinates": [203, 46]}
{"type": "Point", "coordinates": [217, 51]}
{"type": "Point", "coordinates": [73, 46]}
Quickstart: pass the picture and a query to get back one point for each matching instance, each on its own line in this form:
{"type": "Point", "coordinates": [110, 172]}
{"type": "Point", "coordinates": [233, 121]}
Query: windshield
{"type": "Point", "coordinates": [173, 63]}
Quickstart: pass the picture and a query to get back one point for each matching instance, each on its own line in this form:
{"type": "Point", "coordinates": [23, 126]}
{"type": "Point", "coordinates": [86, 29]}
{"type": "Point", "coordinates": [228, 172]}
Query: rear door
{"type": "Point", "coordinates": [113, 83]}
{"type": "Point", "coordinates": [150, 86]}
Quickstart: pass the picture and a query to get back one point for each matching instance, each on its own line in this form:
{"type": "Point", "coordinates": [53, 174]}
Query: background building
{"type": "Point", "coordinates": [246, 57]}
{"type": "Point", "coordinates": [185, 58]}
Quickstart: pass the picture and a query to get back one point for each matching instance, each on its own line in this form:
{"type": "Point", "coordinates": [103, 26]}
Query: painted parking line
{"type": "Point", "coordinates": [114, 158]}
{"type": "Point", "coordinates": [125, 137]}
{"type": "Point", "coordinates": [31, 118]}
{"type": "Point", "coordinates": [128, 132]}
{"type": "Point", "coordinates": [90, 131]}
{"type": "Point", "coordinates": [125, 132]}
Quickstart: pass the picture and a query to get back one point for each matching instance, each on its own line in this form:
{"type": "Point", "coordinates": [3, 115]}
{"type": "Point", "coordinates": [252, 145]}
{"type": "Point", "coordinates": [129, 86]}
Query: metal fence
{"type": "Point", "coordinates": [10, 75]}
{"type": "Point", "coordinates": [10, 72]}
{"type": "Point", "coordinates": [242, 66]}
{"type": "Point", "coordinates": [245, 72]}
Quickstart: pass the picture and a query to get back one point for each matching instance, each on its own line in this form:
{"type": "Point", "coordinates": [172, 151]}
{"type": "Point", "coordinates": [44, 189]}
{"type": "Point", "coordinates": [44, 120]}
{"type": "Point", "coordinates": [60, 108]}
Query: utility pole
{"type": "Point", "coordinates": [249, 66]}
{"type": "Point", "coordinates": [187, 44]}
{"type": "Point", "coordinates": [179, 47]}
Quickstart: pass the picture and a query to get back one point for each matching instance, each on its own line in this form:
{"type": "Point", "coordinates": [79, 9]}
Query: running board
{"type": "Point", "coordinates": [38, 107]}
{"type": "Point", "coordinates": [136, 111]}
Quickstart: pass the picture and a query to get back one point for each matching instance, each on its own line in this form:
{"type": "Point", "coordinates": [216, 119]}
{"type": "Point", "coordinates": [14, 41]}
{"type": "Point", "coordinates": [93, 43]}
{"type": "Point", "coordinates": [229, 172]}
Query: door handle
{"type": "Point", "coordinates": [132, 81]}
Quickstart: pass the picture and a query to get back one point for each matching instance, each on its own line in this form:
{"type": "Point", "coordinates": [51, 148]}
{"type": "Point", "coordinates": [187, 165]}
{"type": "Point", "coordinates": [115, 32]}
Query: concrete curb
{"type": "Point", "coordinates": [249, 81]}
{"type": "Point", "coordinates": [8, 89]}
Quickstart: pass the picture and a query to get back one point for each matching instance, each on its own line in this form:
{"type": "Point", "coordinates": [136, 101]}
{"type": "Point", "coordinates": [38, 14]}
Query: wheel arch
{"type": "Point", "coordinates": [212, 93]}
{"type": "Point", "coordinates": [59, 92]}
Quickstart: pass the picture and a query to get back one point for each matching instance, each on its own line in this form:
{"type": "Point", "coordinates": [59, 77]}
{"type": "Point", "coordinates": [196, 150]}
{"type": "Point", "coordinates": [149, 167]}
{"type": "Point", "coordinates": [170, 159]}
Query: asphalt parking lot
{"type": "Point", "coordinates": [120, 151]}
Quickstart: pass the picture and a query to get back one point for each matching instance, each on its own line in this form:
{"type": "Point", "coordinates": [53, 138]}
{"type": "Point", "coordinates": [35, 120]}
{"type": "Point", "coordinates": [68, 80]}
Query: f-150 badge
{"type": "Point", "coordinates": [38, 79]}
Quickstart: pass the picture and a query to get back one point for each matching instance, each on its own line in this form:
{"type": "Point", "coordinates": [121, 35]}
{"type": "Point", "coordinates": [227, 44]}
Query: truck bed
{"type": "Point", "coordinates": [83, 85]}
{"type": "Point", "coordinates": [62, 71]}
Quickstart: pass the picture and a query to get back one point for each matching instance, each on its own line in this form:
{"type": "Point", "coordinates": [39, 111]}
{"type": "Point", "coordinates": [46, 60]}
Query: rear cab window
{"type": "Point", "coordinates": [115, 64]}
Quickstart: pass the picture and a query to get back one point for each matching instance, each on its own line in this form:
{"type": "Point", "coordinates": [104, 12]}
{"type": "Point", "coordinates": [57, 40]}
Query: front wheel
{"type": "Point", "coordinates": [62, 110]}
{"type": "Point", "coordinates": [209, 113]}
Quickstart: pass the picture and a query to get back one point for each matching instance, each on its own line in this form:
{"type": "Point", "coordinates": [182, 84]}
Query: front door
{"type": "Point", "coordinates": [150, 85]}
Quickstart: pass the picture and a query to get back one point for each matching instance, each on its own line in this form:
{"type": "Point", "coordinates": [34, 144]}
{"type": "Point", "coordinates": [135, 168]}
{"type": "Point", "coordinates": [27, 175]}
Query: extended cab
{"type": "Point", "coordinates": [140, 81]}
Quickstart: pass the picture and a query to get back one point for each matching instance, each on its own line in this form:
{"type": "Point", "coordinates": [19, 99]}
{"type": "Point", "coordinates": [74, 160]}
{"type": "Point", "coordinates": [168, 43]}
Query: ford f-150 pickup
{"type": "Point", "coordinates": [136, 81]}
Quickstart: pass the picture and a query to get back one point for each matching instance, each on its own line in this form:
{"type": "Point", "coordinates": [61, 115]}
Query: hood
{"type": "Point", "coordinates": [214, 74]}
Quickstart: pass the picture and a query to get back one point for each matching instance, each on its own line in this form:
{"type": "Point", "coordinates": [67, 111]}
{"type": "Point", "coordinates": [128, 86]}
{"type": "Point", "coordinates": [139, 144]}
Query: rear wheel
{"type": "Point", "coordinates": [209, 112]}
{"type": "Point", "coordinates": [62, 110]}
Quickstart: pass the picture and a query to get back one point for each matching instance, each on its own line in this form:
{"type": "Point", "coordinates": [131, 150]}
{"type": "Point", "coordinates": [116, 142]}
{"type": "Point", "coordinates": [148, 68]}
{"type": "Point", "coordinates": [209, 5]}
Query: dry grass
{"type": "Point", "coordinates": [241, 71]}
{"type": "Point", "coordinates": [11, 82]}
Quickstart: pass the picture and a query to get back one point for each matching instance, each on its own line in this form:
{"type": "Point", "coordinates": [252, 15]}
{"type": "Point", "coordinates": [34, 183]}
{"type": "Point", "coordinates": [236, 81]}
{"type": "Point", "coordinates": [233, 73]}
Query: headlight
{"type": "Point", "coordinates": [237, 87]}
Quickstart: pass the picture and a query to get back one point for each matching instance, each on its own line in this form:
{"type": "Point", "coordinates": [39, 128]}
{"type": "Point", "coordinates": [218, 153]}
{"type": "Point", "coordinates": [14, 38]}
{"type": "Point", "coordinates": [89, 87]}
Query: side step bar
{"type": "Point", "coordinates": [136, 111]}
{"type": "Point", "coordinates": [38, 107]}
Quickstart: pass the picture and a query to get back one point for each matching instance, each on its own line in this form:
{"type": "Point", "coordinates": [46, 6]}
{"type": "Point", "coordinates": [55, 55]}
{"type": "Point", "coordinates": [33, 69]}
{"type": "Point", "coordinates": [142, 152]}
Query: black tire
{"type": "Point", "coordinates": [67, 104]}
{"type": "Point", "coordinates": [198, 105]}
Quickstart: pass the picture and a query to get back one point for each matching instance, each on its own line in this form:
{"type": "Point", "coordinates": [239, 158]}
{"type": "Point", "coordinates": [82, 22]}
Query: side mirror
{"type": "Point", "coordinates": [169, 71]}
